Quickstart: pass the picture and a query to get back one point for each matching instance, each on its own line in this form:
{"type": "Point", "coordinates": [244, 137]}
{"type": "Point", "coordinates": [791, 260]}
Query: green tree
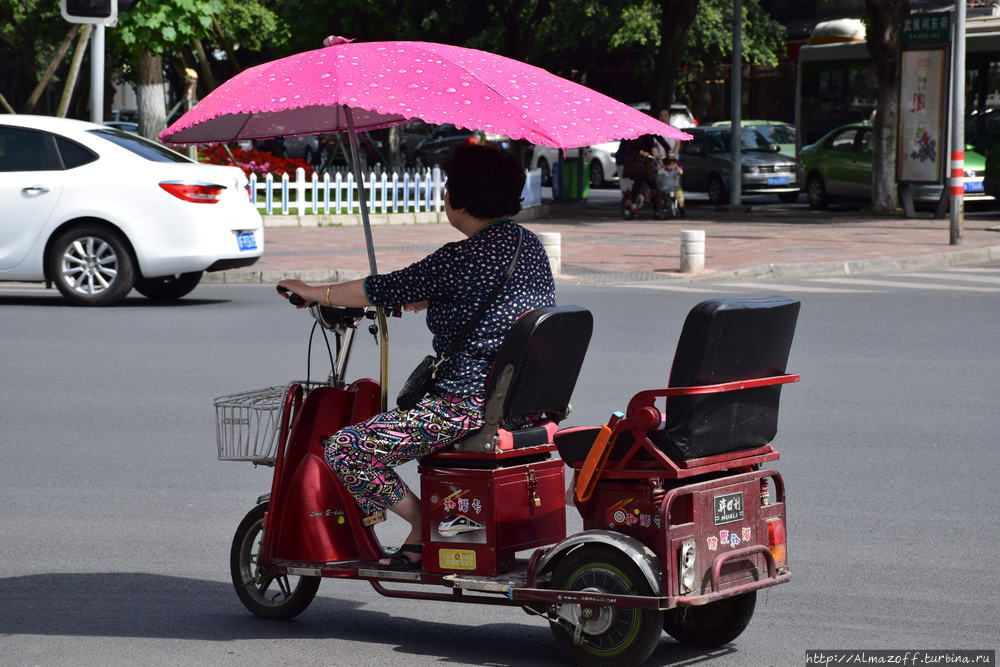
{"type": "Point", "coordinates": [30, 34]}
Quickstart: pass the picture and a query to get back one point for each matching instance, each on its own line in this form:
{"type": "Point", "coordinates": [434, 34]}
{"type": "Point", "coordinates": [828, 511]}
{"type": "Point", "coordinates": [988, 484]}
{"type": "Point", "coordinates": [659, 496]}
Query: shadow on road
{"type": "Point", "coordinates": [130, 604]}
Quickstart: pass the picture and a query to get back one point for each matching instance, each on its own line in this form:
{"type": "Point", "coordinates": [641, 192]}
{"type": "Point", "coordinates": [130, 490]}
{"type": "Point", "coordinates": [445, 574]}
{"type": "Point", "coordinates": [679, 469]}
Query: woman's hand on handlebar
{"type": "Point", "coordinates": [287, 288]}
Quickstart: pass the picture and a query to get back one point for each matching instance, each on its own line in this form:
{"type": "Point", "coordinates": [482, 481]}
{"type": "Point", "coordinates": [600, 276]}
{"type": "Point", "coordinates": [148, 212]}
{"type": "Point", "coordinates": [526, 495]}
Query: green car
{"type": "Point", "coordinates": [774, 131]}
{"type": "Point", "coordinates": [839, 166]}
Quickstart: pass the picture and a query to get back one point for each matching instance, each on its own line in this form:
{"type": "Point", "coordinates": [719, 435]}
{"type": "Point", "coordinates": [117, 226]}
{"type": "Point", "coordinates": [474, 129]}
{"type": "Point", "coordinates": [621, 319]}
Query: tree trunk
{"type": "Point", "coordinates": [885, 18]}
{"type": "Point", "coordinates": [57, 59]}
{"type": "Point", "coordinates": [74, 70]}
{"type": "Point", "coordinates": [676, 16]}
{"type": "Point", "coordinates": [150, 94]}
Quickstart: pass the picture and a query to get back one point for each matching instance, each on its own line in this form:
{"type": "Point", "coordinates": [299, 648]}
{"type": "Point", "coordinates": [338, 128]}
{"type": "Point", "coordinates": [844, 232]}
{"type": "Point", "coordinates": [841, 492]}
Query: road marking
{"type": "Point", "coordinates": [780, 287]}
{"type": "Point", "coordinates": [949, 276]}
{"type": "Point", "coordinates": [666, 287]}
{"type": "Point", "coordinates": [905, 285]}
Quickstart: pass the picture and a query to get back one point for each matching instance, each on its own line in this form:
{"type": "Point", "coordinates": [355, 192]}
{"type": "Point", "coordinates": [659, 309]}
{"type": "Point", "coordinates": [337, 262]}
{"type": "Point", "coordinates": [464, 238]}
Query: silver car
{"type": "Point", "coordinates": [706, 160]}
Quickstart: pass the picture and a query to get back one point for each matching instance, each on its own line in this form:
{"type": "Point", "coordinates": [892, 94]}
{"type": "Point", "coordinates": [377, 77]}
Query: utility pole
{"type": "Point", "coordinates": [957, 180]}
{"type": "Point", "coordinates": [97, 74]}
{"type": "Point", "coordinates": [735, 133]}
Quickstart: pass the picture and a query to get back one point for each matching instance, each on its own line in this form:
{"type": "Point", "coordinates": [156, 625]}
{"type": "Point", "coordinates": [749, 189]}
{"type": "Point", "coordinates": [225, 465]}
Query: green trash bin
{"type": "Point", "coordinates": [569, 181]}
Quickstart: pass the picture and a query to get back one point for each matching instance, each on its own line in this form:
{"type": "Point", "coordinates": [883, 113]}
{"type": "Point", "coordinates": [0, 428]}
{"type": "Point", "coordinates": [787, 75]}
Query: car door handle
{"type": "Point", "coordinates": [34, 190]}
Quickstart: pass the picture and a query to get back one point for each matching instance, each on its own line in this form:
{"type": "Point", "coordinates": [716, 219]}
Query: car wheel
{"type": "Point", "coordinates": [816, 193]}
{"type": "Point", "coordinates": [168, 288]}
{"type": "Point", "coordinates": [788, 197]}
{"type": "Point", "coordinates": [543, 164]}
{"type": "Point", "coordinates": [596, 174]}
{"type": "Point", "coordinates": [716, 191]}
{"type": "Point", "coordinates": [91, 265]}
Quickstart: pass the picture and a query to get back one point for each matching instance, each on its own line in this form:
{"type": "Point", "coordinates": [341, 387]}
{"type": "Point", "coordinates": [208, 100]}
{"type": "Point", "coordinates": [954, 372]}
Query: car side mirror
{"type": "Point", "coordinates": [775, 148]}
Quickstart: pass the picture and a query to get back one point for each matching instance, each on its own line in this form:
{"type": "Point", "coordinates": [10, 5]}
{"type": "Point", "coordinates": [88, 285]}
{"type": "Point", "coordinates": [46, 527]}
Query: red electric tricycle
{"type": "Point", "coordinates": [683, 522]}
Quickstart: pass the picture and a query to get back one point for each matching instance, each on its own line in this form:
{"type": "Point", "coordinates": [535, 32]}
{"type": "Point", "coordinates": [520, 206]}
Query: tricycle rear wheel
{"type": "Point", "coordinates": [612, 635]}
{"type": "Point", "coordinates": [267, 595]}
{"type": "Point", "coordinates": [713, 624]}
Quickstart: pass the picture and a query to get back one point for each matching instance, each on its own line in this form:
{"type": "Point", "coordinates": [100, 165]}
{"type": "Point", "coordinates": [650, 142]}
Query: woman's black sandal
{"type": "Point", "coordinates": [397, 561]}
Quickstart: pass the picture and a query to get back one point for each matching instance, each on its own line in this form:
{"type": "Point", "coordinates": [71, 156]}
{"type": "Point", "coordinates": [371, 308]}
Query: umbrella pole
{"type": "Point", "coordinates": [383, 325]}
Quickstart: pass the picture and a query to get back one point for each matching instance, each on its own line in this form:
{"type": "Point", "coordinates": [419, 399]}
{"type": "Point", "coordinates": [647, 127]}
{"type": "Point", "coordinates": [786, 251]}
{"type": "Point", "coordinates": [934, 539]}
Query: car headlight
{"type": "Point", "coordinates": [750, 169]}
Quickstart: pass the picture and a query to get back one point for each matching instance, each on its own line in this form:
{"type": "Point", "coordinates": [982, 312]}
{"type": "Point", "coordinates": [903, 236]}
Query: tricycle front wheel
{"type": "Point", "coordinates": [713, 624]}
{"type": "Point", "coordinates": [604, 635]}
{"type": "Point", "coordinates": [272, 596]}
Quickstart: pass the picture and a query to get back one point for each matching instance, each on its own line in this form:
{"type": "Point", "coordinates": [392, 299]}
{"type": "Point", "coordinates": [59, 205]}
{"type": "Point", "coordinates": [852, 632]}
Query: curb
{"type": "Point", "coordinates": [772, 270]}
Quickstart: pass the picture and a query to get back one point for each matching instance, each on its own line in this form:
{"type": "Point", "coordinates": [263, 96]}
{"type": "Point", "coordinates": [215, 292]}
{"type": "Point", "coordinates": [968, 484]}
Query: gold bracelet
{"type": "Point", "coordinates": [328, 287]}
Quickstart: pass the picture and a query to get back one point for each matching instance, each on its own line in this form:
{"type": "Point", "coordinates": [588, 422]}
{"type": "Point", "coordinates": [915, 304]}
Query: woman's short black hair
{"type": "Point", "coordinates": [485, 181]}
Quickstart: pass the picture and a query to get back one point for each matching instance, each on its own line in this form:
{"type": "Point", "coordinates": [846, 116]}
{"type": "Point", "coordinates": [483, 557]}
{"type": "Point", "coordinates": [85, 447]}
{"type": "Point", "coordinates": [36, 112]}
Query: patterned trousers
{"type": "Point", "coordinates": [363, 455]}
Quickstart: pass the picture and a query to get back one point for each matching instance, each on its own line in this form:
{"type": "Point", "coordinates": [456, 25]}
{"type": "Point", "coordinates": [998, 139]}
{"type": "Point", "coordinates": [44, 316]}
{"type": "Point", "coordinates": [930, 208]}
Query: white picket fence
{"type": "Point", "coordinates": [410, 192]}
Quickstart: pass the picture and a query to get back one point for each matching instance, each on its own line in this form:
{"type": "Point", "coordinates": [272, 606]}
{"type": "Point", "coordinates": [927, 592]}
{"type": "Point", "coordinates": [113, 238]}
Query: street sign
{"type": "Point", "coordinates": [933, 27]}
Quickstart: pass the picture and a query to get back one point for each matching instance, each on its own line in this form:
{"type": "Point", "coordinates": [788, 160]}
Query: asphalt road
{"type": "Point", "coordinates": [117, 518]}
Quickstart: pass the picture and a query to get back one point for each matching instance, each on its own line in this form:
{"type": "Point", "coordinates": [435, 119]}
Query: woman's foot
{"type": "Point", "coordinates": [407, 557]}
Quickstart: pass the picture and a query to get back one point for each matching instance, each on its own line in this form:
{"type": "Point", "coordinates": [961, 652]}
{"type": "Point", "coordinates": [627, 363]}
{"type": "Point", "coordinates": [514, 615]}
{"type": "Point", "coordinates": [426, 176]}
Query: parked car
{"type": "Point", "coordinates": [411, 135]}
{"type": "Point", "coordinates": [707, 163]}
{"type": "Point", "coordinates": [437, 148]}
{"type": "Point", "coordinates": [774, 131]}
{"type": "Point", "coordinates": [601, 167]}
{"type": "Point", "coordinates": [125, 125]}
{"type": "Point", "coordinates": [98, 211]}
{"type": "Point", "coordinates": [839, 166]}
{"type": "Point", "coordinates": [680, 116]}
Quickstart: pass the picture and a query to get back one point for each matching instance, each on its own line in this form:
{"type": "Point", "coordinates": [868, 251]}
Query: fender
{"type": "Point", "coordinates": [642, 555]}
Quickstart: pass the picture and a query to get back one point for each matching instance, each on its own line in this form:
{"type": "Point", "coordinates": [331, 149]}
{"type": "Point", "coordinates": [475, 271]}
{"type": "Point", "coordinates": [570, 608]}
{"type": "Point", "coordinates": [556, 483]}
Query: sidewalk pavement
{"type": "Point", "coordinates": [598, 247]}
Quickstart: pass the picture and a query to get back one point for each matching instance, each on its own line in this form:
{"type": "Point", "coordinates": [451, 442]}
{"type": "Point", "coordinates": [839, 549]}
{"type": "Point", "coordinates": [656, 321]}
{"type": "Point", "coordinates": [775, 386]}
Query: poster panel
{"type": "Point", "coordinates": [921, 117]}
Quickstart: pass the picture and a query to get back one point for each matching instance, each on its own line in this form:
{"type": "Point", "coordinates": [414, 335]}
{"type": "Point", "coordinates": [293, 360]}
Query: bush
{"type": "Point", "coordinates": [253, 161]}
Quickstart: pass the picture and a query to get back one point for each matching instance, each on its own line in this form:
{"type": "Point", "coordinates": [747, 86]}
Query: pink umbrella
{"type": "Point", "coordinates": [387, 83]}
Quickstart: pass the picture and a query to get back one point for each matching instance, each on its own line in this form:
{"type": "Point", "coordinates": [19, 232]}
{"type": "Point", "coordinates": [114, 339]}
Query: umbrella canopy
{"type": "Point", "coordinates": [388, 83]}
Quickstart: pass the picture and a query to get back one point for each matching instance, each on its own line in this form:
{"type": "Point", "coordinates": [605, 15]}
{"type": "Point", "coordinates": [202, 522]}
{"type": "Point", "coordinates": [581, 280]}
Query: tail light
{"type": "Point", "coordinates": [199, 193]}
{"type": "Point", "coordinates": [776, 541]}
{"type": "Point", "coordinates": [686, 566]}
{"type": "Point", "coordinates": [472, 141]}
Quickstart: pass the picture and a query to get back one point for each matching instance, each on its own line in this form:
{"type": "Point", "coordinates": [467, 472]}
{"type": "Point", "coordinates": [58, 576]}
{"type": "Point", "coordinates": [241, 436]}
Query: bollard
{"type": "Point", "coordinates": [552, 242]}
{"type": "Point", "coordinates": [692, 250]}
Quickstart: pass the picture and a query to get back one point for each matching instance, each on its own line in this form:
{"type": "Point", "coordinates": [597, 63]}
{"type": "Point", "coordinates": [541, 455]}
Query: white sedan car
{"type": "Point", "coordinates": [601, 167]}
{"type": "Point", "coordinates": [98, 211]}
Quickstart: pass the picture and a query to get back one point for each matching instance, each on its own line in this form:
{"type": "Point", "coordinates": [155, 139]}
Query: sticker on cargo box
{"type": "Point", "coordinates": [457, 524]}
{"type": "Point", "coordinates": [457, 559]}
{"type": "Point", "coordinates": [728, 508]}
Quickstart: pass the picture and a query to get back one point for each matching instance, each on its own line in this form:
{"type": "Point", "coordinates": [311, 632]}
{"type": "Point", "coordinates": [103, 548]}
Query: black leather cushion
{"type": "Point", "coordinates": [725, 340]}
{"type": "Point", "coordinates": [546, 347]}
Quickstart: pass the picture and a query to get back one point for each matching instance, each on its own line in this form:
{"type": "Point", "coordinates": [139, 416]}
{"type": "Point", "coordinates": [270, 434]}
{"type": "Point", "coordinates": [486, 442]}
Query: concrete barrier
{"type": "Point", "coordinates": [692, 250]}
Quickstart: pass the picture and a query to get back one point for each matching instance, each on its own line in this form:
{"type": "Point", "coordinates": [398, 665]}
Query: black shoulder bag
{"type": "Point", "coordinates": [420, 380]}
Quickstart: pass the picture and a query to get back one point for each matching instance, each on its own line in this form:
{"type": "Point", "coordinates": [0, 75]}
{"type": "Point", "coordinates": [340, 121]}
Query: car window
{"type": "Point", "coordinates": [752, 140]}
{"type": "Point", "coordinates": [139, 145]}
{"type": "Point", "coordinates": [867, 145]}
{"type": "Point", "coordinates": [843, 141]}
{"type": "Point", "coordinates": [777, 134]}
{"type": "Point", "coordinates": [27, 150]}
{"type": "Point", "coordinates": [73, 154]}
{"type": "Point", "coordinates": [691, 147]}
{"type": "Point", "coordinates": [718, 141]}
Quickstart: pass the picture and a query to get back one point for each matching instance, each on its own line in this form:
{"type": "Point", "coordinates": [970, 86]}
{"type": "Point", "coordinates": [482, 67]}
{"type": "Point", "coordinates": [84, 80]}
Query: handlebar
{"type": "Point", "coordinates": [293, 298]}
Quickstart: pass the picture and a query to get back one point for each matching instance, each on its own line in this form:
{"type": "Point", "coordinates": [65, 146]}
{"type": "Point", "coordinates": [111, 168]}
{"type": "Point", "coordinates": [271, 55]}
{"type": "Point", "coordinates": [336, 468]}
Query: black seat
{"type": "Point", "coordinates": [723, 340]}
{"type": "Point", "coordinates": [534, 373]}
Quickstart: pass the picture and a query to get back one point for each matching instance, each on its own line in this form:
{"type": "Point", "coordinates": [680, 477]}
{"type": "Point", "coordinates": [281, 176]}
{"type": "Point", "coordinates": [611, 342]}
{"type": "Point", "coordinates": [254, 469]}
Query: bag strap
{"type": "Point", "coordinates": [471, 324]}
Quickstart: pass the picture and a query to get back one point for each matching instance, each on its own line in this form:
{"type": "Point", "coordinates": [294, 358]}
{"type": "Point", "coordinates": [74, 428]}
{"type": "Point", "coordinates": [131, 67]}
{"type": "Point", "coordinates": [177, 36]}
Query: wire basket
{"type": "Point", "coordinates": [247, 423]}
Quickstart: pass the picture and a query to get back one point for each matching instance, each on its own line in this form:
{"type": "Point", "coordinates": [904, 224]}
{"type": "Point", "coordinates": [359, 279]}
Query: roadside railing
{"type": "Point", "coordinates": [337, 194]}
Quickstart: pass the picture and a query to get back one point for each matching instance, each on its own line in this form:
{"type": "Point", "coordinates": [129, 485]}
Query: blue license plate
{"type": "Point", "coordinates": [778, 180]}
{"type": "Point", "coordinates": [246, 240]}
{"type": "Point", "coordinates": [973, 186]}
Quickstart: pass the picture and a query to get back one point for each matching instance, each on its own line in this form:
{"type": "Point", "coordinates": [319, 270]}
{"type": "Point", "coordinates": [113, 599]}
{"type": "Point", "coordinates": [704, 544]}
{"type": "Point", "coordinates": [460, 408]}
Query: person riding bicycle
{"type": "Point", "coordinates": [642, 164]}
{"type": "Point", "coordinates": [669, 181]}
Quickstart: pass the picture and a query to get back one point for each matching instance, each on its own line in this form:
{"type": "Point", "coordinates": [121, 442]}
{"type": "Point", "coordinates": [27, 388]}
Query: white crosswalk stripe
{"type": "Point", "coordinates": [962, 277]}
{"type": "Point", "coordinates": [778, 286]}
{"type": "Point", "coordinates": [901, 284]}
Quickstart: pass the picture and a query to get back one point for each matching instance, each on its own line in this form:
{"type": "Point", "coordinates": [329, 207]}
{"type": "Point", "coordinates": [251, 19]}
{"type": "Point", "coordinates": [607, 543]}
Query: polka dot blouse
{"type": "Point", "coordinates": [455, 280]}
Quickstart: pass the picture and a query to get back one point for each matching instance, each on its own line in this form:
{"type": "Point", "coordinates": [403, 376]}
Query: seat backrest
{"type": "Point", "coordinates": [542, 354]}
{"type": "Point", "coordinates": [724, 340]}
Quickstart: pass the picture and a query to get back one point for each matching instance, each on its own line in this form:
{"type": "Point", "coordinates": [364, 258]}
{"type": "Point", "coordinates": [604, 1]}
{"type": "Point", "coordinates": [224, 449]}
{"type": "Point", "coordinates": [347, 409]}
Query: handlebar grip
{"type": "Point", "coordinates": [293, 298]}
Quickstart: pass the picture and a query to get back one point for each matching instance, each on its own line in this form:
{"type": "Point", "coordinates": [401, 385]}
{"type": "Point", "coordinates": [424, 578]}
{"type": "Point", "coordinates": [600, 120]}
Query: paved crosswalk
{"type": "Point", "coordinates": [984, 280]}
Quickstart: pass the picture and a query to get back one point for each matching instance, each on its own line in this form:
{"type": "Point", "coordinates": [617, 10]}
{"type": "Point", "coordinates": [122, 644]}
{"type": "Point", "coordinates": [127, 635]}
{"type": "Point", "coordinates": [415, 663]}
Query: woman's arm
{"type": "Point", "coordinates": [349, 295]}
